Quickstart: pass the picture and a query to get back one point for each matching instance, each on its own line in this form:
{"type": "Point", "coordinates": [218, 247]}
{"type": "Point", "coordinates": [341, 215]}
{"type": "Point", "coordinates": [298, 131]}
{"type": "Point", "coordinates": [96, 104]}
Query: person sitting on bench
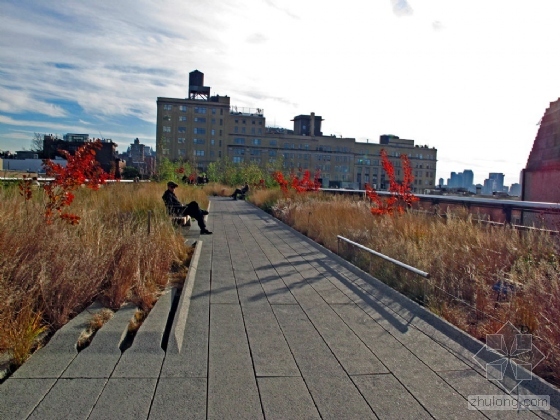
{"type": "Point", "coordinates": [241, 192]}
{"type": "Point", "coordinates": [175, 208]}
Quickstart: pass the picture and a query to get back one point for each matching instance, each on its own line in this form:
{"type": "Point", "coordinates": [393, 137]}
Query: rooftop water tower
{"type": "Point", "coordinates": [197, 90]}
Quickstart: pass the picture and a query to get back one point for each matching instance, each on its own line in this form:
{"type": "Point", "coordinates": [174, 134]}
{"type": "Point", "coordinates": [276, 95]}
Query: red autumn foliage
{"type": "Point", "coordinates": [401, 196]}
{"type": "Point", "coordinates": [25, 188]}
{"type": "Point", "coordinates": [298, 185]}
{"type": "Point", "coordinates": [81, 169]}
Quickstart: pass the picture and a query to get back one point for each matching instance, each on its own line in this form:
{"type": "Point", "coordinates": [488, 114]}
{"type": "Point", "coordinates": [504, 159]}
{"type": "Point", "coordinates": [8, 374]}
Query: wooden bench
{"type": "Point", "coordinates": [180, 221]}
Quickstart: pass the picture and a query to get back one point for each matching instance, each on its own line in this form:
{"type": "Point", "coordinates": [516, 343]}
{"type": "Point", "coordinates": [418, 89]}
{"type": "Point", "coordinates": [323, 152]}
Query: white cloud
{"type": "Point", "coordinates": [474, 90]}
{"type": "Point", "coordinates": [401, 8]}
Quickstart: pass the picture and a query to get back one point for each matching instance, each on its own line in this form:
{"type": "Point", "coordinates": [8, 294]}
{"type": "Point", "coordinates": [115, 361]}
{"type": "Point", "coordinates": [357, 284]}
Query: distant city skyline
{"type": "Point", "coordinates": [458, 76]}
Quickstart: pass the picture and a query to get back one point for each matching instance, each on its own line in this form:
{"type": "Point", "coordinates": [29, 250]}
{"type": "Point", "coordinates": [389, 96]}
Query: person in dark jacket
{"type": "Point", "coordinates": [240, 192]}
{"type": "Point", "coordinates": [175, 207]}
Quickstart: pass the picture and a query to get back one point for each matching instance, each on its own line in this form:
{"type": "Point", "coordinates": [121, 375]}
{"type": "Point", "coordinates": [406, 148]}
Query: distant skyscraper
{"type": "Point", "coordinates": [468, 179]}
{"type": "Point", "coordinates": [498, 179]}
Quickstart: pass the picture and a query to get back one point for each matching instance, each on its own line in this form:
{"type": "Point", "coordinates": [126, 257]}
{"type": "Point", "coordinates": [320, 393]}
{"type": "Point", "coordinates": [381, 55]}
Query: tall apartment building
{"type": "Point", "coordinates": [203, 128]}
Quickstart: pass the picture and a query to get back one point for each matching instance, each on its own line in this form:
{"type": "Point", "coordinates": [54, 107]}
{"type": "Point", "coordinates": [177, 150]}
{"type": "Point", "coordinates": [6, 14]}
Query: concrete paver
{"type": "Point", "coordinates": [270, 325]}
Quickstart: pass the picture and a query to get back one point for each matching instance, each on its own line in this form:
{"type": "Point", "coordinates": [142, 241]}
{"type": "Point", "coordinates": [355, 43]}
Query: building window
{"type": "Point", "coordinates": [165, 151]}
{"type": "Point", "coordinates": [213, 132]}
{"type": "Point", "coordinates": [272, 153]}
{"type": "Point", "coordinates": [182, 129]}
{"type": "Point", "coordinates": [167, 107]}
{"type": "Point", "coordinates": [200, 119]}
{"type": "Point", "coordinates": [199, 110]}
{"type": "Point", "coordinates": [213, 120]}
{"type": "Point", "coordinates": [239, 140]}
{"type": "Point", "coordinates": [167, 118]}
{"type": "Point", "coordinates": [199, 152]}
{"type": "Point", "coordinates": [199, 130]}
{"type": "Point", "coordinates": [198, 141]}
{"type": "Point", "coordinates": [242, 130]}
{"type": "Point", "coordinates": [211, 153]}
{"type": "Point", "coordinates": [256, 142]}
{"type": "Point", "coordinates": [237, 159]}
{"type": "Point", "coordinates": [182, 118]}
{"type": "Point", "coordinates": [252, 130]}
{"type": "Point", "coordinates": [212, 142]}
{"type": "Point", "coordinates": [181, 140]}
{"type": "Point", "coordinates": [182, 152]}
{"type": "Point", "coordinates": [214, 111]}
{"type": "Point", "coordinates": [166, 129]}
{"type": "Point", "coordinates": [272, 143]}
{"type": "Point", "coordinates": [183, 108]}
{"type": "Point", "coordinates": [236, 129]}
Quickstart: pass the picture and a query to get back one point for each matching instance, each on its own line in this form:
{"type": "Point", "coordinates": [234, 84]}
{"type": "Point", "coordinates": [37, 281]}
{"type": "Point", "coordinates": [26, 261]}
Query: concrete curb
{"type": "Point", "coordinates": [175, 343]}
{"type": "Point", "coordinates": [53, 359]}
{"type": "Point", "coordinates": [145, 357]}
{"type": "Point", "coordinates": [99, 359]}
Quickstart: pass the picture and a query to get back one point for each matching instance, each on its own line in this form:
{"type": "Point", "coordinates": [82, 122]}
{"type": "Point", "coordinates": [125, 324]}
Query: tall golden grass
{"type": "Point", "coordinates": [464, 259]}
{"type": "Point", "coordinates": [49, 273]}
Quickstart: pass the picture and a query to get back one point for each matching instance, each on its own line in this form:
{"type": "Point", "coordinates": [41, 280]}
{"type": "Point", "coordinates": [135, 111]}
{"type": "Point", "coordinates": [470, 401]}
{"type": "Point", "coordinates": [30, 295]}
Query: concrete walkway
{"type": "Point", "coordinates": [269, 325]}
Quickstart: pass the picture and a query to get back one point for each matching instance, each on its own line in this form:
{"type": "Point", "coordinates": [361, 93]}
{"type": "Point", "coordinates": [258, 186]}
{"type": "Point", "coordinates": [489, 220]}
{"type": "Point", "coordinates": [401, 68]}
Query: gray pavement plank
{"type": "Point", "coordinates": [183, 398]}
{"type": "Point", "coordinates": [223, 288]}
{"type": "Point", "coordinates": [70, 398]}
{"type": "Point", "coordinates": [286, 398]}
{"type": "Point", "coordinates": [125, 398]}
{"type": "Point", "coordinates": [249, 288]}
{"type": "Point", "coordinates": [19, 397]}
{"type": "Point", "coordinates": [388, 398]}
{"type": "Point", "coordinates": [468, 382]}
{"type": "Point", "coordinates": [365, 294]}
{"type": "Point", "coordinates": [274, 287]}
{"type": "Point", "coordinates": [332, 390]}
{"type": "Point", "coordinates": [51, 360]}
{"type": "Point", "coordinates": [430, 390]}
{"type": "Point", "coordinates": [351, 352]}
{"type": "Point", "coordinates": [424, 347]}
{"type": "Point", "coordinates": [232, 388]}
{"type": "Point", "coordinates": [99, 359]}
{"type": "Point", "coordinates": [145, 357]}
{"type": "Point", "coordinates": [270, 352]}
{"type": "Point", "coordinates": [192, 360]}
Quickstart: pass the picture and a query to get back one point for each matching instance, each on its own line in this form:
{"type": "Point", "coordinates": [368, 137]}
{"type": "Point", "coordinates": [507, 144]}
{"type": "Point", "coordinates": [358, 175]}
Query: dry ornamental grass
{"type": "Point", "coordinates": [50, 273]}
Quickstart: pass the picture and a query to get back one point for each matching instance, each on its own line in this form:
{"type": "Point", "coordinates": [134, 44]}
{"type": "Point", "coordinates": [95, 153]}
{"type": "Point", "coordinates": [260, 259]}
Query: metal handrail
{"type": "Point", "coordinates": [385, 257]}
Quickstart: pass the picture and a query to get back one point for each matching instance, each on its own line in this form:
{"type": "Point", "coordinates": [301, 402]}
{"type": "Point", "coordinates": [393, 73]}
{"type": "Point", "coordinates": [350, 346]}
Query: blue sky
{"type": "Point", "coordinates": [469, 77]}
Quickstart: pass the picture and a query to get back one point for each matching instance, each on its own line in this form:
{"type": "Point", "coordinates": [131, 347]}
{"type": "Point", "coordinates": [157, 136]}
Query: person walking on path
{"type": "Point", "coordinates": [240, 192]}
{"type": "Point", "coordinates": [175, 207]}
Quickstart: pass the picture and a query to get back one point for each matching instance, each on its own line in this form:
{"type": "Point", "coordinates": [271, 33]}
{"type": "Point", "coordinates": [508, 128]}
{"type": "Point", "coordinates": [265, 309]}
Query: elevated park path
{"type": "Point", "coordinates": [268, 325]}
